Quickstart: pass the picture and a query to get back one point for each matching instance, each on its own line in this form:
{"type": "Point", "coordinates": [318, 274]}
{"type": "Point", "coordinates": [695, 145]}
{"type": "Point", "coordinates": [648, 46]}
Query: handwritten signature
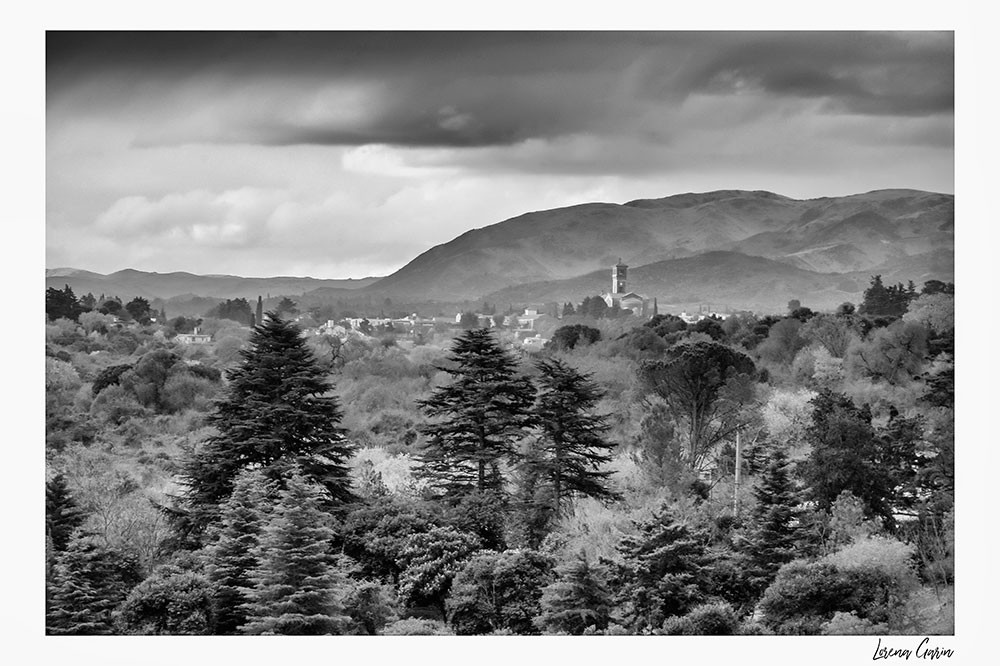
{"type": "Point", "coordinates": [923, 651]}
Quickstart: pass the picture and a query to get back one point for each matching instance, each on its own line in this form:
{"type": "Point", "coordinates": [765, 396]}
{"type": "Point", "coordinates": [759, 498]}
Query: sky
{"type": "Point", "coordinates": [346, 154]}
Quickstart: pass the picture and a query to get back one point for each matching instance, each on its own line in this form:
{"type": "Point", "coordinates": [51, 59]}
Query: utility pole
{"type": "Point", "coordinates": [736, 483]}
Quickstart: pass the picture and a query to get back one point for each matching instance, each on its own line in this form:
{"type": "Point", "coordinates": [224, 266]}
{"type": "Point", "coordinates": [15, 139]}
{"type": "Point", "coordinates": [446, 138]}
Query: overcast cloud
{"type": "Point", "coordinates": [347, 154]}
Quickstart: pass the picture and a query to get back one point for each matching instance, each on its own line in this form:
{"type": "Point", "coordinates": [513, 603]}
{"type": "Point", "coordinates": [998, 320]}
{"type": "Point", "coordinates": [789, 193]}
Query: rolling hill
{"type": "Point", "coordinates": [849, 234]}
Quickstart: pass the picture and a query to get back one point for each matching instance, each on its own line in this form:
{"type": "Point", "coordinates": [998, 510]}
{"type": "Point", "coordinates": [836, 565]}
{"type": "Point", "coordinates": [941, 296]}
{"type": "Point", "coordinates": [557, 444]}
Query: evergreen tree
{"type": "Point", "coordinates": [62, 514]}
{"type": "Point", "coordinates": [287, 307]}
{"type": "Point", "coordinates": [88, 582]}
{"type": "Point", "coordinates": [577, 600]}
{"type": "Point", "coordinates": [62, 303]}
{"type": "Point", "coordinates": [479, 416]}
{"type": "Point", "coordinates": [773, 529]}
{"type": "Point", "coordinates": [232, 555]}
{"type": "Point", "coordinates": [660, 572]}
{"type": "Point", "coordinates": [237, 309]}
{"type": "Point", "coordinates": [598, 308]}
{"type": "Point", "coordinates": [297, 589]}
{"type": "Point", "coordinates": [278, 412]}
{"type": "Point", "coordinates": [572, 449]}
{"type": "Point", "coordinates": [138, 309]}
{"type": "Point", "coordinates": [533, 502]}
{"type": "Point", "coordinates": [846, 455]}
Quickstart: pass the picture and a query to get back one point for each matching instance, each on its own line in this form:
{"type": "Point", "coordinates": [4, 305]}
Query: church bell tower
{"type": "Point", "coordinates": [618, 277]}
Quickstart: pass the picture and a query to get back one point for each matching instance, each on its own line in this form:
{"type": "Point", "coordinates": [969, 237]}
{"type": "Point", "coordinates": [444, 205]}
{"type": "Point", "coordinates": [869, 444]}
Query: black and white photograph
{"type": "Point", "coordinates": [644, 333]}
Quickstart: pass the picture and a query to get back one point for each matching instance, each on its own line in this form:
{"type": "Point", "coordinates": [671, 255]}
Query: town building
{"type": "Point", "coordinates": [640, 305]}
{"type": "Point", "coordinates": [534, 344]}
{"type": "Point", "coordinates": [194, 338]}
{"type": "Point", "coordinates": [530, 318]}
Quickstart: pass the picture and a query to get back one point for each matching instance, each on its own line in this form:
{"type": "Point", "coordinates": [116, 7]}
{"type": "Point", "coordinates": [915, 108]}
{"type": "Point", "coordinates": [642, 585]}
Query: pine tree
{"type": "Point", "coordinates": [278, 412]}
{"type": "Point", "coordinates": [62, 514]}
{"type": "Point", "coordinates": [572, 448]}
{"type": "Point", "coordinates": [773, 531]}
{"type": "Point", "coordinates": [479, 416]}
{"type": "Point", "coordinates": [88, 582]}
{"type": "Point", "coordinates": [661, 571]}
{"type": "Point", "coordinates": [577, 600]}
{"type": "Point", "coordinates": [232, 555]}
{"type": "Point", "coordinates": [297, 589]}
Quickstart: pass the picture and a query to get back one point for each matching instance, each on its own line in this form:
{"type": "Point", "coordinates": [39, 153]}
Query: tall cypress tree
{"type": "Point", "coordinates": [479, 417]}
{"type": "Point", "coordinates": [278, 412]}
{"type": "Point", "coordinates": [297, 589]}
{"type": "Point", "coordinates": [232, 555]}
{"type": "Point", "coordinates": [572, 448]}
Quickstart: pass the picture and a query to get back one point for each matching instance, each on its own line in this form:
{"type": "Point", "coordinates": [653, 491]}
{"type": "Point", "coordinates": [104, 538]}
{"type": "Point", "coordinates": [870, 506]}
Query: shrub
{"type": "Point", "coordinates": [184, 391]}
{"type": "Point", "coordinates": [804, 596]}
{"type": "Point", "coordinates": [849, 624]}
{"type": "Point", "coordinates": [170, 601]}
{"type": "Point", "coordinates": [115, 405]}
{"type": "Point", "coordinates": [417, 627]}
{"type": "Point", "coordinates": [713, 619]}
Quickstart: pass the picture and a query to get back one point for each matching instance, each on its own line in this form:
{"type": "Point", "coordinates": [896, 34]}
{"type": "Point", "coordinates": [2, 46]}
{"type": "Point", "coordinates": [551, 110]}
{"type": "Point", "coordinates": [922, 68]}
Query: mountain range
{"type": "Point", "coordinates": [129, 283]}
{"type": "Point", "coordinates": [863, 232]}
{"type": "Point", "coordinates": [744, 249]}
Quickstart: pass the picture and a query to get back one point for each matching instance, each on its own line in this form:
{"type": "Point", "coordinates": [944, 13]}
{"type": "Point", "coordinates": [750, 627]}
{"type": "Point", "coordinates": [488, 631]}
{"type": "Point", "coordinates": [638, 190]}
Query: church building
{"type": "Point", "coordinates": [626, 300]}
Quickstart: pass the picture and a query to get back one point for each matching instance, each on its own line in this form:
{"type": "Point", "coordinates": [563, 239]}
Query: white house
{"type": "Point", "coordinates": [194, 338]}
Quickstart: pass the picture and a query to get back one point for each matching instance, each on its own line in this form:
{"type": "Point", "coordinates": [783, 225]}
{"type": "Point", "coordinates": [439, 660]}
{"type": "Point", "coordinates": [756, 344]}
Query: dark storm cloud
{"type": "Point", "coordinates": [907, 74]}
{"type": "Point", "coordinates": [480, 89]}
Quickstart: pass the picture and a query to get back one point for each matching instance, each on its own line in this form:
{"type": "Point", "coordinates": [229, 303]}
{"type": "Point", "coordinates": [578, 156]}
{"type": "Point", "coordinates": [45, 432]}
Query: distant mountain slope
{"type": "Point", "coordinates": [828, 235]}
{"type": "Point", "coordinates": [720, 279]}
{"type": "Point", "coordinates": [834, 243]}
{"type": "Point", "coordinates": [130, 283]}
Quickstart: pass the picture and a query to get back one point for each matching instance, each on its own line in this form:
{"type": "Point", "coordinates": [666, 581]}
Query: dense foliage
{"type": "Point", "coordinates": [287, 479]}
